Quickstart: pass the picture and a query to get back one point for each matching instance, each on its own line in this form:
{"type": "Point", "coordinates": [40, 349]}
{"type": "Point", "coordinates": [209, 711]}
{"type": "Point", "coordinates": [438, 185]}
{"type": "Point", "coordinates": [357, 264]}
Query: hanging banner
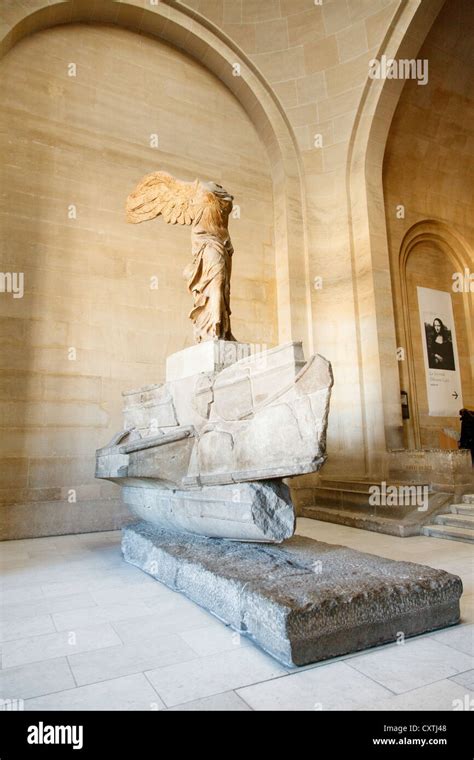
{"type": "Point", "coordinates": [440, 353]}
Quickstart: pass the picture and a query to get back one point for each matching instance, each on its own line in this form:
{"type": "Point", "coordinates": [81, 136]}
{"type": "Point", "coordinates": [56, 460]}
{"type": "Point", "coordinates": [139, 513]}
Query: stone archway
{"type": "Point", "coordinates": [378, 366]}
{"type": "Point", "coordinates": [458, 251]}
{"type": "Point", "coordinates": [189, 31]}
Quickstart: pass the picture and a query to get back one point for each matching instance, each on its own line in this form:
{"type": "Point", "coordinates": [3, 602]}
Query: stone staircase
{"type": "Point", "coordinates": [348, 503]}
{"type": "Point", "coordinates": [457, 524]}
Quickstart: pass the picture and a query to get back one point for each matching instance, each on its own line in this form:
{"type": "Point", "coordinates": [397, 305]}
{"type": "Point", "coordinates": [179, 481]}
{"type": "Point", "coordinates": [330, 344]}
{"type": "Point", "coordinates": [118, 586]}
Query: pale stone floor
{"type": "Point", "coordinates": [82, 630]}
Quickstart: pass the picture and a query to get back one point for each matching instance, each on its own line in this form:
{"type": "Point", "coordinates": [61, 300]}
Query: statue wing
{"type": "Point", "coordinates": [161, 194]}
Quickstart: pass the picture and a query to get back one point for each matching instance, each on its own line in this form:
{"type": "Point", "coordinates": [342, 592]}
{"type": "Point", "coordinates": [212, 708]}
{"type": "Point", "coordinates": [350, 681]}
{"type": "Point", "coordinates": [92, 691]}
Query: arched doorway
{"type": "Point", "coordinates": [430, 253]}
{"type": "Point", "coordinates": [428, 197]}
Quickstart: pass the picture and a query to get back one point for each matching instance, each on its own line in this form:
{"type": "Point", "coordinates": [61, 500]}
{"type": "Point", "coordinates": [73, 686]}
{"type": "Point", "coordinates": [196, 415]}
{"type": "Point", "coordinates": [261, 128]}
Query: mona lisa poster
{"type": "Point", "coordinates": [440, 352]}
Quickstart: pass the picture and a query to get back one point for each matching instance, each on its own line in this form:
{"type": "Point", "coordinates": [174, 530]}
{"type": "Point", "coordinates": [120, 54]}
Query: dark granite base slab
{"type": "Point", "coordinates": [303, 600]}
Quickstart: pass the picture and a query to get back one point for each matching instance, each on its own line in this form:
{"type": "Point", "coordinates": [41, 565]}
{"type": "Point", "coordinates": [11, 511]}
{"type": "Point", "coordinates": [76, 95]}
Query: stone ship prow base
{"type": "Point", "coordinates": [206, 452]}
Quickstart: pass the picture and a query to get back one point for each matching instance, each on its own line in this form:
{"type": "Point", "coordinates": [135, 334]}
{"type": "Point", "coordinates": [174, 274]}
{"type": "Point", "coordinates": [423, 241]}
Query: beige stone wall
{"type": "Point", "coordinates": [429, 169]}
{"type": "Point", "coordinates": [316, 59]}
{"type": "Point", "coordinates": [304, 75]}
{"type": "Point", "coordinates": [84, 141]}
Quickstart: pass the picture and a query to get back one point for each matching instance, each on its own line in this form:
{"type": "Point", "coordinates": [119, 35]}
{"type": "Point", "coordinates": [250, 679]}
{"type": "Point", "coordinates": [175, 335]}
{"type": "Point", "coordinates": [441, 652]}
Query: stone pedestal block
{"type": "Point", "coordinates": [209, 356]}
{"type": "Point", "coordinates": [303, 600]}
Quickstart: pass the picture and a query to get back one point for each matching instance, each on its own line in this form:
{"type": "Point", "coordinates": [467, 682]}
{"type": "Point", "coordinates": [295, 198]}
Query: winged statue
{"type": "Point", "coordinates": [205, 206]}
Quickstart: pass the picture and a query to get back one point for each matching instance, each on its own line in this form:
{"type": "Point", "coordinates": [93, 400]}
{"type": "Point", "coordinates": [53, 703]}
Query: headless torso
{"type": "Point", "coordinates": [208, 278]}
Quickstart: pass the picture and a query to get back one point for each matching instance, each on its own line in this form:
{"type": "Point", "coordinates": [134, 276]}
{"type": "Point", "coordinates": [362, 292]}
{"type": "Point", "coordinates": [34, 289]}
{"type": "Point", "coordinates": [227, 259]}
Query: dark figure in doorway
{"type": "Point", "coordinates": [467, 431]}
{"type": "Point", "coordinates": [440, 347]}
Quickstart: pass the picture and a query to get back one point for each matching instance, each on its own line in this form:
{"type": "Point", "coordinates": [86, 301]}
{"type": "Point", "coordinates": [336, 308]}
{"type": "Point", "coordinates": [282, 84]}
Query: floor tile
{"type": "Point", "coordinates": [36, 648]}
{"type": "Point", "coordinates": [465, 679]}
{"type": "Point", "coordinates": [214, 639]}
{"type": "Point", "coordinates": [126, 593]}
{"type": "Point", "coordinates": [206, 676]}
{"type": "Point", "coordinates": [31, 626]}
{"type": "Point", "coordinates": [460, 637]}
{"type": "Point", "coordinates": [414, 664]}
{"type": "Point", "coordinates": [78, 572]}
{"type": "Point", "coordinates": [442, 695]}
{"type": "Point", "coordinates": [100, 614]}
{"type": "Point", "coordinates": [9, 550]}
{"type": "Point", "coordinates": [111, 536]}
{"type": "Point", "coordinates": [227, 702]}
{"type": "Point", "coordinates": [61, 554]}
{"type": "Point", "coordinates": [326, 687]}
{"type": "Point", "coordinates": [467, 608]}
{"type": "Point", "coordinates": [108, 579]}
{"type": "Point", "coordinates": [126, 659]}
{"type": "Point", "coordinates": [36, 678]}
{"type": "Point", "coordinates": [172, 619]}
{"type": "Point", "coordinates": [47, 606]}
{"type": "Point", "coordinates": [128, 693]}
{"type": "Point", "coordinates": [29, 593]}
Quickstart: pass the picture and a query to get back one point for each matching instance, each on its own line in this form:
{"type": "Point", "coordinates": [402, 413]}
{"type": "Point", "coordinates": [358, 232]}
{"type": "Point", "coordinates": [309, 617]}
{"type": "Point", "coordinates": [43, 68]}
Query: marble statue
{"type": "Point", "coordinates": [206, 207]}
